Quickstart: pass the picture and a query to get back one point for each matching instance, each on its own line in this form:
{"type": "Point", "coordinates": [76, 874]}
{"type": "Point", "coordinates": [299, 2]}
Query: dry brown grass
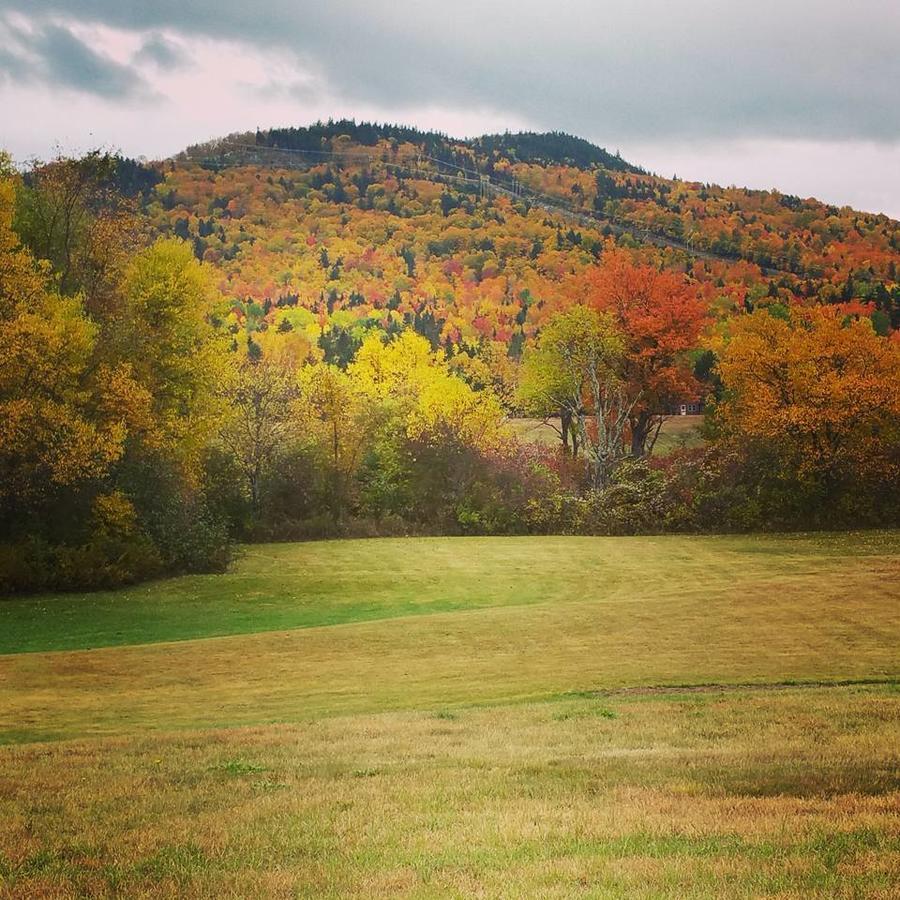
{"type": "Point", "coordinates": [789, 793]}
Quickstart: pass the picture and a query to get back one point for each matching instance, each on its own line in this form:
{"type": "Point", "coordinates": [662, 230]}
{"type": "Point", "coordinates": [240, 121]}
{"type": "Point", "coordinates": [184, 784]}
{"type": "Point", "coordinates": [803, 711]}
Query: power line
{"type": "Point", "coordinates": [515, 190]}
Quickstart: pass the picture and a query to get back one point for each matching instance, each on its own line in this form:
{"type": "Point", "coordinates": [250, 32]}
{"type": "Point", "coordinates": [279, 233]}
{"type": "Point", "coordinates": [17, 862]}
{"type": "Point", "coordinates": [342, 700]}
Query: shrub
{"type": "Point", "coordinates": [34, 565]}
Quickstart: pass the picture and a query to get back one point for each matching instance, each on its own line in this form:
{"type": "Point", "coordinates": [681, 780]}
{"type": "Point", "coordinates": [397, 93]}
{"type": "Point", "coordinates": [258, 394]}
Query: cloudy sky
{"type": "Point", "coordinates": [803, 95]}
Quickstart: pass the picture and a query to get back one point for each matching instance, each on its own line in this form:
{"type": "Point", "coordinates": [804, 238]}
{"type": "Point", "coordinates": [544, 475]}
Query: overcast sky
{"type": "Point", "coordinates": [802, 95]}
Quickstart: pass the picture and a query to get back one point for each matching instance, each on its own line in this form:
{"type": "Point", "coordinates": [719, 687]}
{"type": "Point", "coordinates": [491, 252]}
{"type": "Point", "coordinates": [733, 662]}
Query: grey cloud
{"type": "Point", "coordinates": [71, 63]}
{"type": "Point", "coordinates": [608, 70]}
{"type": "Point", "coordinates": [158, 50]}
{"type": "Point", "coordinates": [14, 67]}
{"type": "Point", "coordinates": [51, 54]}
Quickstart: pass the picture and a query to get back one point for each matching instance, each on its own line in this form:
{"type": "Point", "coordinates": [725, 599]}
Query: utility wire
{"type": "Point", "coordinates": [514, 190]}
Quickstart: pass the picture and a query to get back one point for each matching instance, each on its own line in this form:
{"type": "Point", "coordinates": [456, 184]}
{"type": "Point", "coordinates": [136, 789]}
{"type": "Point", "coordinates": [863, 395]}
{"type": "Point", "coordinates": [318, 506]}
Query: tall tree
{"type": "Point", "coordinates": [261, 420]}
{"type": "Point", "coordinates": [660, 318]}
{"type": "Point", "coordinates": [550, 390]}
{"type": "Point", "coordinates": [71, 214]}
{"type": "Point", "coordinates": [336, 418]}
{"type": "Point", "coordinates": [172, 349]}
{"type": "Point", "coordinates": [578, 365]}
{"type": "Point", "coordinates": [59, 422]}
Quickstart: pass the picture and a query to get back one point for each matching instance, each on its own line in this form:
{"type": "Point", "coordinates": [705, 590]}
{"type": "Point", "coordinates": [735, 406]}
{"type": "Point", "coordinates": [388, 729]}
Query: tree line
{"type": "Point", "coordinates": [142, 435]}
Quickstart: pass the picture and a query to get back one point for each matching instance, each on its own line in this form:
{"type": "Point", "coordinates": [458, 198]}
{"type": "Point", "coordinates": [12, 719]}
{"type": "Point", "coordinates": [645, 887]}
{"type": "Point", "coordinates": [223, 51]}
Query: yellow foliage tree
{"type": "Point", "coordinates": [57, 427]}
{"type": "Point", "coordinates": [172, 349]}
{"type": "Point", "coordinates": [418, 385]}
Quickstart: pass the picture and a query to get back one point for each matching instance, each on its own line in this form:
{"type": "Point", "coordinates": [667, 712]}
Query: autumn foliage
{"type": "Point", "coordinates": [815, 398]}
{"type": "Point", "coordinates": [661, 318]}
{"type": "Point", "coordinates": [215, 350]}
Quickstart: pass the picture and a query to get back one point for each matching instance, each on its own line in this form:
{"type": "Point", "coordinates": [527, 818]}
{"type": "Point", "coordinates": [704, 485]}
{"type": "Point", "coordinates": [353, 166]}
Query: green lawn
{"type": "Point", "coordinates": [498, 717]}
{"type": "Point", "coordinates": [273, 587]}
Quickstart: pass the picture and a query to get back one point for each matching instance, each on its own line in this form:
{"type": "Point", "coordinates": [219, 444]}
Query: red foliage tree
{"type": "Point", "coordinates": [661, 316]}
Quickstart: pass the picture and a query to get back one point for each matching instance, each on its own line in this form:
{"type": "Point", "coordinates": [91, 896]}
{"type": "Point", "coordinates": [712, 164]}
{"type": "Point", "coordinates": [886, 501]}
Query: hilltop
{"type": "Point", "coordinates": [547, 148]}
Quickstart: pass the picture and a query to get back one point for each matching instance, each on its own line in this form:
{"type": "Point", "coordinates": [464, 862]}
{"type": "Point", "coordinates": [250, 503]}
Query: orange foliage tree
{"type": "Point", "coordinates": [661, 317]}
{"type": "Point", "coordinates": [816, 394]}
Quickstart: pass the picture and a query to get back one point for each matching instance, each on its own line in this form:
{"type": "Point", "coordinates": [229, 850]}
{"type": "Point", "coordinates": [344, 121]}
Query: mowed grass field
{"type": "Point", "coordinates": [489, 717]}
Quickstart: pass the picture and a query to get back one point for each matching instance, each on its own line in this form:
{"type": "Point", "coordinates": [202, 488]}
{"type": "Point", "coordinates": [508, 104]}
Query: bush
{"type": "Point", "coordinates": [34, 565]}
{"type": "Point", "coordinates": [189, 532]}
{"type": "Point", "coordinates": [106, 562]}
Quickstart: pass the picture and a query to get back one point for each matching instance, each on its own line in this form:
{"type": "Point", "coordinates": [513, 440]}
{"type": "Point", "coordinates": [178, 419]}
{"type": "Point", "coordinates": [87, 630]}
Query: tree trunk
{"type": "Point", "coordinates": [640, 430]}
{"type": "Point", "coordinates": [255, 477]}
{"type": "Point", "coordinates": [644, 429]}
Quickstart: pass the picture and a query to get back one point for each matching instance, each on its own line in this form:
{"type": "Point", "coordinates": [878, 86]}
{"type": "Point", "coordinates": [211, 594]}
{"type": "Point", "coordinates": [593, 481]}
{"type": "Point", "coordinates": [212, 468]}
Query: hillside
{"type": "Point", "coordinates": [342, 227]}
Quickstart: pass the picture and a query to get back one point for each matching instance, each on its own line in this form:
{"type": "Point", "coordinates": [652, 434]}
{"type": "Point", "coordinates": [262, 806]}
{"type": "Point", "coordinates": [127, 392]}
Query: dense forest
{"type": "Point", "coordinates": [324, 331]}
{"type": "Point", "coordinates": [403, 221]}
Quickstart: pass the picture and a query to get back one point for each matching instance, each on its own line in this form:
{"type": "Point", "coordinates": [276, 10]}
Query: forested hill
{"type": "Point", "coordinates": [343, 227]}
